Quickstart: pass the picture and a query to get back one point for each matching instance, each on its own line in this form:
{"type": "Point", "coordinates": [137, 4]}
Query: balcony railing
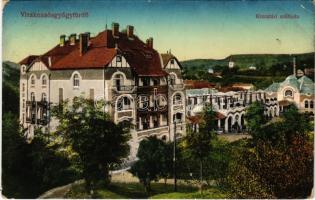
{"type": "Point", "coordinates": [124, 88]}
{"type": "Point", "coordinates": [177, 86]}
{"type": "Point", "coordinates": [145, 89]}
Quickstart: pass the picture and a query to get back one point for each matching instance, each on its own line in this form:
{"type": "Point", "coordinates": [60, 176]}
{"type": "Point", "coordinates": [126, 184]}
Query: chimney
{"type": "Point", "coordinates": [130, 31]}
{"type": "Point", "coordinates": [115, 29]}
{"type": "Point", "coordinates": [72, 38]}
{"type": "Point", "coordinates": [62, 40]}
{"type": "Point", "coordinates": [294, 66]}
{"type": "Point", "coordinates": [84, 40]}
{"type": "Point", "coordinates": [150, 43]}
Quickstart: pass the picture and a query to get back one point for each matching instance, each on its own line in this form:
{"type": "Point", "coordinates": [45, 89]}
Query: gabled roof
{"type": "Point", "coordinates": [145, 61]}
{"type": "Point", "coordinates": [28, 60]}
{"type": "Point", "coordinates": [166, 57]}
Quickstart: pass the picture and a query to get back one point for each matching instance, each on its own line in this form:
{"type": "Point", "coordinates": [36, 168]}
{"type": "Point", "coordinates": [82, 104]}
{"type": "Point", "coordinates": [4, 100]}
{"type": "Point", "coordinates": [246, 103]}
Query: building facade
{"type": "Point", "coordinates": [293, 90]}
{"type": "Point", "coordinates": [230, 107]}
{"type": "Point", "coordinates": [142, 86]}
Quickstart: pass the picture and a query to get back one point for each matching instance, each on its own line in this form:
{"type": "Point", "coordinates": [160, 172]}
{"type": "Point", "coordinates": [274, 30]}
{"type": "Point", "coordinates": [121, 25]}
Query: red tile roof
{"type": "Point", "coordinates": [143, 60]}
{"type": "Point", "coordinates": [198, 118]}
{"type": "Point", "coordinates": [194, 84]}
{"type": "Point", "coordinates": [28, 60]}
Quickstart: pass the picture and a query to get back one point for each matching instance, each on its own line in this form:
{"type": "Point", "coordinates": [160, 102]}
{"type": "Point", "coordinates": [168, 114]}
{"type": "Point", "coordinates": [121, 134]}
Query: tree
{"type": "Point", "coordinates": [155, 161]}
{"type": "Point", "coordinates": [198, 144]}
{"type": "Point", "coordinates": [99, 142]}
{"type": "Point", "coordinates": [255, 117]}
{"type": "Point", "coordinates": [279, 163]}
{"type": "Point", "coordinates": [30, 169]}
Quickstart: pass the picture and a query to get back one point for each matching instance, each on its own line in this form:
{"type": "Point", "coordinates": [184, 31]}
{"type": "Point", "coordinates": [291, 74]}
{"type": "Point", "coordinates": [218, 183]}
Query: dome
{"type": "Point", "coordinates": [291, 81]}
{"type": "Point", "coordinates": [291, 77]}
{"type": "Point", "coordinates": [305, 80]}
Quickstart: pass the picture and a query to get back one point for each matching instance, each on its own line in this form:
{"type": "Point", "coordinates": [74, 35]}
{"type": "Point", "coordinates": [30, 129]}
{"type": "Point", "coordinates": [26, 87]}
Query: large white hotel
{"type": "Point", "coordinates": [143, 86]}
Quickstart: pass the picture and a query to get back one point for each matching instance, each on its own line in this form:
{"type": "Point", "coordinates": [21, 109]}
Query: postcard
{"type": "Point", "coordinates": [176, 99]}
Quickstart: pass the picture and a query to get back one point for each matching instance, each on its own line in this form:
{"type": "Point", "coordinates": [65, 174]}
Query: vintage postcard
{"type": "Point", "coordinates": [175, 99]}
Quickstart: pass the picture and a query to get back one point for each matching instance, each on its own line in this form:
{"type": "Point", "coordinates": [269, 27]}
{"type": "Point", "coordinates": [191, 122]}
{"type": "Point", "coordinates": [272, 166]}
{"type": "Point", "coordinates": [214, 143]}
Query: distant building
{"type": "Point", "coordinates": [210, 71]}
{"type": "Point", "coordinates": [300, 92]}
{"type": "Point", "coordinates": [229, 107]}
{"type": "Point", "coordinates": [252, 67]}
{"type": "Point", "coordinates": [231, 63]}
{"type": "Point", "coordinates": [245, 86]}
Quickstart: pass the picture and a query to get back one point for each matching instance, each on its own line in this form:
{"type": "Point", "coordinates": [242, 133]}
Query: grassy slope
{"type": "Point", "coordinates": [136, 190]}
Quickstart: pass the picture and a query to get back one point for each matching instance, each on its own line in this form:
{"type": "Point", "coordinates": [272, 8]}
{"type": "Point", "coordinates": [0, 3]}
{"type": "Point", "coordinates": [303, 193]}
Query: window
{"type": "Point", "coordinates": [123, 103]}
{"type": "Point", "coordinates": [92, 94]}
{"type": "Point", "coordinates": [311, 104]}
{"type": "Point", "coordinates": [23, 69]}
{"type": "Point", "coordinates": [23, 87]}
{"type": "Point", "coordinates": [44, 97]}
{"type": "Point", "coordinates": [118, 58]}
{"type": "Point", "coordinates": [288, 93]}
{"type": "Point", "coordinates": [118, 81]}
{"type": "Point", "coordinates": [23, 105]}
{"type": "Point", "coordinates": [146, 81]}
{"type": "Point", "coordinates": [44, 81]}
{"type": "Point", "coordinates": [172, 79]}
{"type": "Point", "coordinates": [60, 95]}
{"type": "Point", "coordinates": [172, 62]}
{"type": "Point", "coordinates": [306, 104]}
{"type": "Point", "coordinates": [76, 80]}
{"type": "Point", "coordinates": [156, 81]}
{"type": "Point", "coordinates": [177, 99]}
{"type": "Point", "coordinates": [32, 81]}
{"type": "Point", "coordinates": [177, 117]}
{"type": "Point", "coordinates": [32, 96]}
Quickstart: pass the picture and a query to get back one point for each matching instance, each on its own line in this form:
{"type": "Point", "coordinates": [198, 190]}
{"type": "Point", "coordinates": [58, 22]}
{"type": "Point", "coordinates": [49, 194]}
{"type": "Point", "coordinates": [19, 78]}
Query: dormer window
{"type": "Point", "coordinates": [76, 81]}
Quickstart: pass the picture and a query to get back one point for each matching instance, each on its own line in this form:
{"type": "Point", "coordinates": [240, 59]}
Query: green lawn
{"type": "Point", "coordinates": [136, 190]}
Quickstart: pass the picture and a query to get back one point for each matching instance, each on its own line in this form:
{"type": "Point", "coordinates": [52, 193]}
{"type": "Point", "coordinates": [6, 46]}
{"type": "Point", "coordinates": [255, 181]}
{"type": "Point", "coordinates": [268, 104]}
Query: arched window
{"type": "Point", "coordinates": [306, 104]}
{"type": "Point", "coordinates": [118, 81]}
{"type": "Point", "coordinates": [32, 96]}
{"type": "Point", "coordinates": [44, 80]}
{"type": "Point", "coordinates": [76, 80]}
{"type": "Point", "coordinates": [311, 104]}
{"type": "Point", "coordinates": [288, 93]}
{"type": "Point", "coordinates": [124, 103]}
{"type": "Point", "coordinates": [44, 97]}
{"type": "Point", "coordinates": [172, 79]}
{"type": "Point", "coordinates": [177, 99]}
{"type": "Point", "coordinates": [32, 81]}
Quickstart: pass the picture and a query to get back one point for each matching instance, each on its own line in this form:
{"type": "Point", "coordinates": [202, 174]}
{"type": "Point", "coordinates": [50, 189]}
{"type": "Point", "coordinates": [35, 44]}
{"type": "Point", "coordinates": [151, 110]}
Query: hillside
{"type": "Point", "coordinates": [10, 87]}
{"type": "Point", "coordinates": [261, 61]}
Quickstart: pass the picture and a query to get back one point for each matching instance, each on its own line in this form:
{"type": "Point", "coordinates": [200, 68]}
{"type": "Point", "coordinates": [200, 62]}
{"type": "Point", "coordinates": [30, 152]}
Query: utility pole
{"type": "Point", "coordinates": [174, 158]}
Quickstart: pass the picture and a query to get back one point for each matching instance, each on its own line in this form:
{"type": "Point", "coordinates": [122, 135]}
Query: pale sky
{"type": "Point", "coordinates": [191, 29]}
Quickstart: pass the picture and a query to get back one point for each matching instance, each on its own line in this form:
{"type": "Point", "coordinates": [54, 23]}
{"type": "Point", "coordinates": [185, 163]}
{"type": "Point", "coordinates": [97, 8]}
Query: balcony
{"type": "Point", "coordinates": [151, 88]}
{"type": "Point", "coordinates": [177, 86]}
{"type": "Point", "coordinates": [124, 89]}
